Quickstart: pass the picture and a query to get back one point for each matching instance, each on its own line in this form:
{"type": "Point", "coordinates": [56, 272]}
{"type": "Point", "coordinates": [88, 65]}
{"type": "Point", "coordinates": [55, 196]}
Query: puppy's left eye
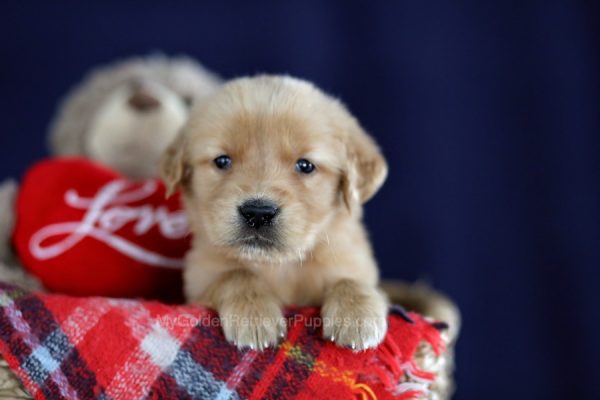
{"type": "Point", "coordinates": [304, 166]}
{"type": "Point", "coordinates": [223, 162]}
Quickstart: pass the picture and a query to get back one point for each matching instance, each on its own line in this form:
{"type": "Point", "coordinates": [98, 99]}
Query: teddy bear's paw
{"type": "Point", "coordinates": [8, 193]}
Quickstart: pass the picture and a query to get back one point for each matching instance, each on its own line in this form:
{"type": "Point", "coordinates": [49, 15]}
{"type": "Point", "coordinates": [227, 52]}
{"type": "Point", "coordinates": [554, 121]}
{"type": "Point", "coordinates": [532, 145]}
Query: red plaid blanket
{"type": "Point", "coordinates": [100, 348]}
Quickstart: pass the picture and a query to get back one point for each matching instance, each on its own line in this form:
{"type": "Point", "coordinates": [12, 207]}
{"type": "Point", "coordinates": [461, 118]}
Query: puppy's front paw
{"type": "Point", "coordinates": [256, 324]}
{"type": "Point", "coordinates": [357, 321]}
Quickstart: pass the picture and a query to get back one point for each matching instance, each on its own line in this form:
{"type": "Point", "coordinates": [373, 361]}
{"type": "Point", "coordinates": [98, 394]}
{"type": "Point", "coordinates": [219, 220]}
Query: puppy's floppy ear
{"type": "Point", "coordinates": [366, 169]}
{"type": "Point", "coordinates": [174, 169]}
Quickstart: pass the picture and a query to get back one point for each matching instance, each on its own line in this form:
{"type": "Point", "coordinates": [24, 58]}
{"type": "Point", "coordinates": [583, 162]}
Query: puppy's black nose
{"type": "Point", "coordinates": [257, 213]}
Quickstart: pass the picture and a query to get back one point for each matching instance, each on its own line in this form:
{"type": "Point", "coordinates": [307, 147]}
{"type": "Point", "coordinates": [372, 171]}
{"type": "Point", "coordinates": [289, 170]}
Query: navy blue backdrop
{"type": "Point", "coordinates": [488, 113]}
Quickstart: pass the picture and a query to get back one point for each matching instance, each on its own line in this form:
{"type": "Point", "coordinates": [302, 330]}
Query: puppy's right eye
{"type": "Point", "coordinates": [223, 162]}
{"type": "Point", "coordinates": [304, 166]}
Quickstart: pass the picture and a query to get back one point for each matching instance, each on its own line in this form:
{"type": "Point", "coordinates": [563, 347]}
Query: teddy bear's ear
{"type": "Point", "coordinates": [174, 169]}
{"type": "Point", "coordinates": [365, 171]}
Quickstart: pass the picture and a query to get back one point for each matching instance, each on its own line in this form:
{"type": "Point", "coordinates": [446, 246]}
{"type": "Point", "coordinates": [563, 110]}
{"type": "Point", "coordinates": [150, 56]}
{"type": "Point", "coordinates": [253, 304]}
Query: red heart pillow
{"type": "Point", "coordinates": [83, 229]}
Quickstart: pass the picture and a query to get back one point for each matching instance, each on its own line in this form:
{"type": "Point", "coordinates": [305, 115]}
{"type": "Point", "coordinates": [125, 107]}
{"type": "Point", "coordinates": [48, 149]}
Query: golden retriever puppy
{"type": "Point", "coordinates": [274, 173]}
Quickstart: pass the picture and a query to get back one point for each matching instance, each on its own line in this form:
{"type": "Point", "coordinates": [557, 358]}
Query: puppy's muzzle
{"type": "Point", "coordinates": [258, 213]}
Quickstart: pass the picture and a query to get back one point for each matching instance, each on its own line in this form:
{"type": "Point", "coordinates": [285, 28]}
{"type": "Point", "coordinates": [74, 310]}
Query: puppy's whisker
{"type": "Point", "coordinates": [331, 248]}
{"type": "Point", "coordinates": [239, 189]}
{"type": "Point", "coordinates": [300, 257]}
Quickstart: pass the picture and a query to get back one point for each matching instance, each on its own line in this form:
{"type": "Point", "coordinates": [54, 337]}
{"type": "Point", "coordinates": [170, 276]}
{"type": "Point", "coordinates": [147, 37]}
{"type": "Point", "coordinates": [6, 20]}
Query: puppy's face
{"type": "Point", "coordinates": [266, 165]}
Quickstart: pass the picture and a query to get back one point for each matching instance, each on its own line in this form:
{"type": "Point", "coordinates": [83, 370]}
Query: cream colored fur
{"type": "Point", "coordinates": [265, 124]}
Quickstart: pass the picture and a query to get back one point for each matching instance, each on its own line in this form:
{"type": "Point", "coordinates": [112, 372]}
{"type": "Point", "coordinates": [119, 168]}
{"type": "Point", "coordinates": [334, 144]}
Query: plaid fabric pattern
{"type": "Point", "coordinates": [100, 348]}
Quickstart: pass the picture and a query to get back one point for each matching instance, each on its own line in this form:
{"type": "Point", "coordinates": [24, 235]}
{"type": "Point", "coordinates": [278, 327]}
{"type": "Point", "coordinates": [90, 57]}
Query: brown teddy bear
{"type": "Point", "coordinates": [122, 115]}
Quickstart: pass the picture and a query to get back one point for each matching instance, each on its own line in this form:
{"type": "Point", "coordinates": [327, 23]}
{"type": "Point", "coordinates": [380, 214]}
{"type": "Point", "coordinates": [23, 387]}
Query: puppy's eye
{"type": "Point", "coordinates": [223, 162]}
{"type": "Point", "coordinates": [304, 166]}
